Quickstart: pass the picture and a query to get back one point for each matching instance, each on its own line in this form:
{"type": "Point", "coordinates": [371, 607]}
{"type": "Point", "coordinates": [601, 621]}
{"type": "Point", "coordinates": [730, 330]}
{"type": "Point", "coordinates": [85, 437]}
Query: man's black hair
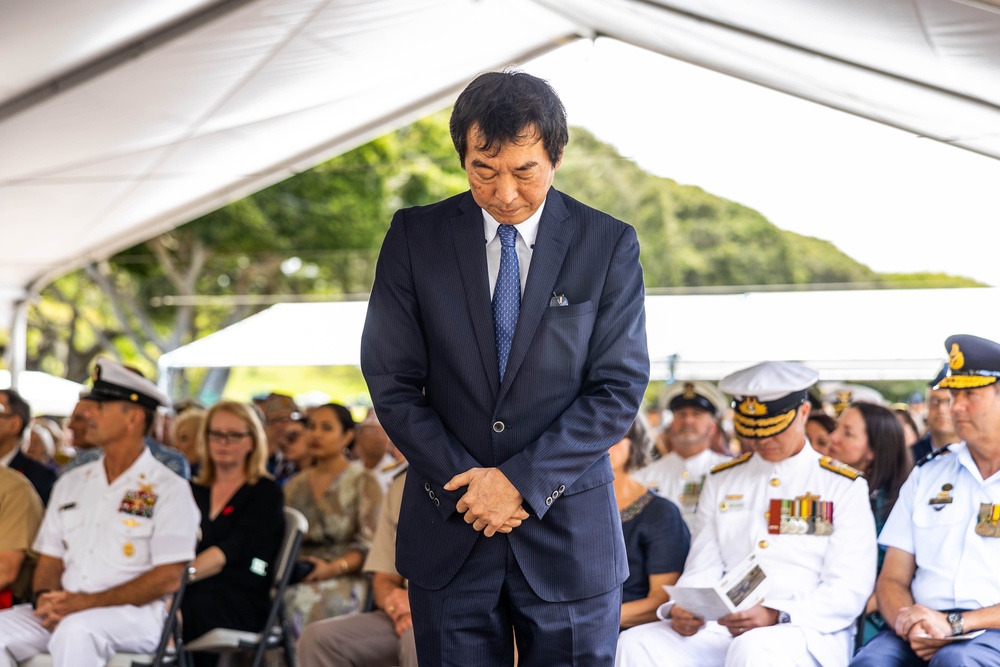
{"type": "Point", "coordinates": [504, 106]}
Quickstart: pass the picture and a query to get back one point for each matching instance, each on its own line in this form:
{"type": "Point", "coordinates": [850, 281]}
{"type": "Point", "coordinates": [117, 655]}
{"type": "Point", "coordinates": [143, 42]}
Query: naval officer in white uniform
{"type": "Point", "coordinates": [679, 475]}
{"type": "Point", "coordinates": [115, 540]}
{"type": "Point", "coordinates": [807, 520]}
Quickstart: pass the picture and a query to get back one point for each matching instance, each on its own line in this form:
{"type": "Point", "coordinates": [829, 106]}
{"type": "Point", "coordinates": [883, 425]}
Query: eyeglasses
{"type": "Point", "coordinates": [228, 437]}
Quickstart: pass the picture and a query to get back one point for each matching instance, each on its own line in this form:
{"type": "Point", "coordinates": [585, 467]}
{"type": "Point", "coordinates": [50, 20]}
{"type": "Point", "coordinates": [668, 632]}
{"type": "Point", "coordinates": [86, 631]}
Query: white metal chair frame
{"type": "Point", "coordinates": [276, 631]}
{"type": "Point", "coordinates": [164, 656]}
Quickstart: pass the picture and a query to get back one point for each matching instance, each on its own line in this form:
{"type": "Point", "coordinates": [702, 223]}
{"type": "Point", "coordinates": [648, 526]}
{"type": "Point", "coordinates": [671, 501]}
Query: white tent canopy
{"type": "Point", "coordinates": [120, 120]}
{"type": "Point", "coordinates": [46, 394]}
{"type": "Point", "coordinates": [845, 335]}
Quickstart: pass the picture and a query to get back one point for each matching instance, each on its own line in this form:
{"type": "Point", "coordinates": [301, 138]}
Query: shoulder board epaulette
{"type": "Point", "coordinates": [933, 455]}
{"type": "Point", "coordinates": [833, 465]}
{"type": "Point", "coordinates": [732, 463]}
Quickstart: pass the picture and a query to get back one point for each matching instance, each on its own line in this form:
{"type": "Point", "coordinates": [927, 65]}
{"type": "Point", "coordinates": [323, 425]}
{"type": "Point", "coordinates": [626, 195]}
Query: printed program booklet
{"type": "Point", "coordinates": [741, 588]}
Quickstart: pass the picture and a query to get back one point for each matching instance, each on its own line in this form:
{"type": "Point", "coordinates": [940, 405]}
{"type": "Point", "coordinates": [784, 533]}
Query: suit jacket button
{"type": "Point", "coordinates": [562, 489]}
{"type": "Point", "coordinates": [427, 486]}
{"type": "Point", "coordinates": [431, 494]}
{"type": "Point", "coordinates": [437, 503]}
{"type": "Point", "coordinates": [548, 501]}
{"type": "Point", "coordinates": [498, 427]}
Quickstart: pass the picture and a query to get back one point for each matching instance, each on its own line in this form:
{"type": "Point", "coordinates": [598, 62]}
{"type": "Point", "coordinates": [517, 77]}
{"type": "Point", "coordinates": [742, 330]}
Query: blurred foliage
{"type": "Point", "coordinates": [317, 233]}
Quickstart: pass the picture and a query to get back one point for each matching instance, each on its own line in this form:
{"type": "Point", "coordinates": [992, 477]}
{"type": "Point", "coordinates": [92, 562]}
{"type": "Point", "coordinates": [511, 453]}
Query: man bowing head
{"type": "Point", "coordinates": [505, 351]}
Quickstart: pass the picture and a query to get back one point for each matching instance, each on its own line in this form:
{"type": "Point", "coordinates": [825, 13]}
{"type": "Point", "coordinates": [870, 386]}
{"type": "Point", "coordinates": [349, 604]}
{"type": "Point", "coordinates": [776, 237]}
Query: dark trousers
{"type": "Point", "coordinates": [473, 621]}
{"type": "Point", "coordinates": [888, 650]}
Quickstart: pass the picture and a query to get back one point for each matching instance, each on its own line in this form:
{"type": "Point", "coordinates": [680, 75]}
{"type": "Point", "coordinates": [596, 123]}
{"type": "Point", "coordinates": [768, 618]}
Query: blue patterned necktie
{"type": "Point", "coordinates": [506, 295]}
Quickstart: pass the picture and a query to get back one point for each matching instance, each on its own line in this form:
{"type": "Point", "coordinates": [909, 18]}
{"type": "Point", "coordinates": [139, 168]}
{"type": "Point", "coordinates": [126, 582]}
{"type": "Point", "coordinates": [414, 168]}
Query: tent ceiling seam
{"type": "Point", "coordinates": [660, 7]}
{"type": "Point", "coordinates": [108, 61]}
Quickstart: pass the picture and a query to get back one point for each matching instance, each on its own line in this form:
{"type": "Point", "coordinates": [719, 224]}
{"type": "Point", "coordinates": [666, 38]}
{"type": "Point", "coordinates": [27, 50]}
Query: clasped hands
{"type": "Point", "coordinates": [687, 624]}
{"type": "Point", "coordinates": [55, 605]}
{"type": "Point", "coordinates": [925, 629]}
{"type": "Point", "coordinates": [491, 504]}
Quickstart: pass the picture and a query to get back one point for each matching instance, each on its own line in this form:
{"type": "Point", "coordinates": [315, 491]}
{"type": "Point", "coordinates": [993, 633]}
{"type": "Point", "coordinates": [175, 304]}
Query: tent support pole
{"type": "Point", "coordinates": [17, 353]}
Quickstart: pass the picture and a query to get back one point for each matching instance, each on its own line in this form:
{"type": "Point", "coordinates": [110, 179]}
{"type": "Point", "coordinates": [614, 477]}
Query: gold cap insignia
{"type": "Point", "coordinates": [134, 397]}
{"type": "Point", "coordinates": [751, 407]}
{"type": "Point", "coordinates": [689, 392]}
{"type": "Point", "coordinates": [955, 358]}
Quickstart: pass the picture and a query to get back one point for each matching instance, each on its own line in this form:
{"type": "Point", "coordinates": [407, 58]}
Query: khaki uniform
{"type": "Point", "coordinates": [365, 640]}
{"type": "Point", "coordinates": [20, 515]}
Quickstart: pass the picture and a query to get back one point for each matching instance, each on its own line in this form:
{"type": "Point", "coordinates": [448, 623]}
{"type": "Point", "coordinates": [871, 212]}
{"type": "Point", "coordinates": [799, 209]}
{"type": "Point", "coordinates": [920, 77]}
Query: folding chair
{"type": "Point", "coordinates": [275, 632]}
{"type": "Point", "coordinates": [167, 652]}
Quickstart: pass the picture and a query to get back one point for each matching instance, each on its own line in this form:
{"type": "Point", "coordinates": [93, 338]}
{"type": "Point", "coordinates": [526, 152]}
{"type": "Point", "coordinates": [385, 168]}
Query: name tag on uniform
{"type": "Point", "coordinates": [941, 499]}
{"type": "Point", "coordinates": [732, 503]}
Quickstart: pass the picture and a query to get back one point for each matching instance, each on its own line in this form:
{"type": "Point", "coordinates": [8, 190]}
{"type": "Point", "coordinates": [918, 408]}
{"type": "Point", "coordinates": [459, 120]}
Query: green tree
{"type": "Point", "coordinates": [317, 234]}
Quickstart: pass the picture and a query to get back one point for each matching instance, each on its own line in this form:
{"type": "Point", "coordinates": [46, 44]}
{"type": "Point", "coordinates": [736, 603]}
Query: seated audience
{"type": "Point", "coordinates": [76, 425]}
{"type": "Point", "coordinates": [374, 451]}
{"type": "Point", "coordinates": [819, 562]}
{"type": "Point", "coordinates": [818, 430]}
{"type": "Point", "coordinates": [171, 458]}
{"type": "Point", "coordinates": [164, 431]}
{"type": "Point", "coordinates": [20, 515]}
{"type": "Point", "coordinates": [280, 413]}
{"type": "Point", "coordinates": [114, 541]}
{"type": "Point", "coordinates": [869, 438]}
{"type": "Point", "coordinates": [241, 527]}
{"type": "Point", "coordinates": [184, 432]}
{"type": "Point", "coordinates": [41, 445]}
{"type": "Point", "coordinates": [341, 501]}
{"type": "Point", "coordinates": [656, 538]}
{"type": "Point", "coordinates": [679, 474]}
{"type": "Point", "coordinates": [939, 579]}
{"type": "Point", "coordinates": [940, 428]}
{"type": "Point", "coordinates": [296, 452]}
{"type": "Point", "coordinates": [911, 431]}
{"type": "Point", "coordinates": [15, 421]}
{"type": "Point", "coordinates": [380, 638]}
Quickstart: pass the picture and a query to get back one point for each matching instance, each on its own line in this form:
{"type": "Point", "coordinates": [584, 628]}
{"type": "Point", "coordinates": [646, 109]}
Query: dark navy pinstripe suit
{"type": "Point", "coordinates": [573, 384]}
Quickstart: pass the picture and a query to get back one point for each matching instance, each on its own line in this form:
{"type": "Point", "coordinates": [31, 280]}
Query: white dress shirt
{"type": "Point", "coordinates": [527, 231]}
{"type": "Point", "coordinates": [956, 567]}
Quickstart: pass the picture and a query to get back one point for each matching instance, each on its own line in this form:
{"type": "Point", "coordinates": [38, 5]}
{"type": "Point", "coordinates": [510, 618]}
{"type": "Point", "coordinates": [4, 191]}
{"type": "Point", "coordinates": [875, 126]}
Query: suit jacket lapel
{"type": "Point", "coordinates": [467, 232]}
{"type": "Point", "coordinates": [555, 230]}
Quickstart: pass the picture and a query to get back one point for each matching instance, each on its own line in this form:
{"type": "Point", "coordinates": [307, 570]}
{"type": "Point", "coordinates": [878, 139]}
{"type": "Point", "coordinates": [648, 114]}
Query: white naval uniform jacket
{"type": "Point", "coordinates": [822, 582]}
{"type": "Point", "coordinates": [108, 534]}
{"type": "Point", "coordinates": [669, 475]}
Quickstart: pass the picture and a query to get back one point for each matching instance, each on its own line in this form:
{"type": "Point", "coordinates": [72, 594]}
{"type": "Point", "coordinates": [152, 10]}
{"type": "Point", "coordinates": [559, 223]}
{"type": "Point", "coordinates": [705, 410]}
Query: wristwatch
{"type": "Point", "coordinates": [957, 622]}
